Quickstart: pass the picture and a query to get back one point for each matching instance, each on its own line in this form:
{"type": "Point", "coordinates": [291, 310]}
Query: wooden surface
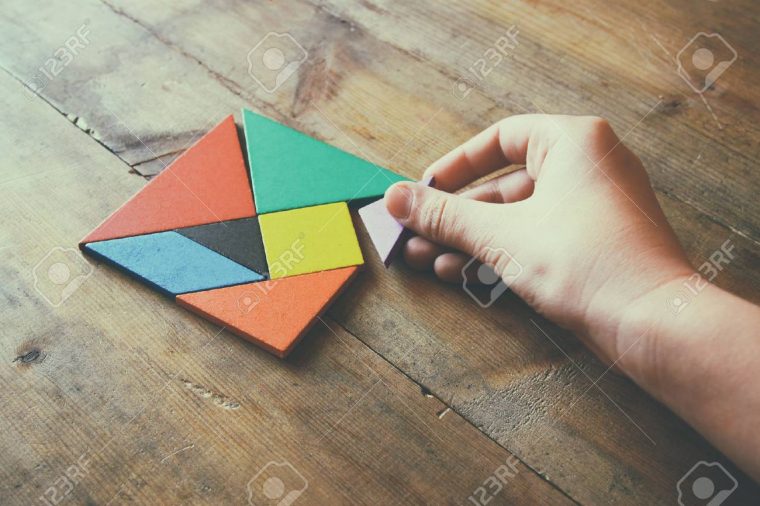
{"type": "Point", "coordinates": [408, 392]}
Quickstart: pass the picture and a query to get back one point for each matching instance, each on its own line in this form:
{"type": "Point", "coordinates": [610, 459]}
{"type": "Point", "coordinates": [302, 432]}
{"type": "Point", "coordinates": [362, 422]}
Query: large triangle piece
{"type": "Point", "coordinates": [290, 169]}
{"type": "Point", "coordinates": [238, 240]}
{"type": "Point", "coordinates": [207, 183]}
{"type": "Point", "coordinates": [171, 263]}
{"type": "Point", "coordinates": [273, 314]}
{"type": "Point", "coordinates": [387, 235]}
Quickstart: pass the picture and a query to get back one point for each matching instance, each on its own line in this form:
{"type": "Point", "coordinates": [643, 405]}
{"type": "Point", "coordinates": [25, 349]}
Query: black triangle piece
{"type": "Point", "coordinates": [238, 240]}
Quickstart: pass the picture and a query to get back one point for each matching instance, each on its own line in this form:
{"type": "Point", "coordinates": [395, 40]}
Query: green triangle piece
{"type": "Point", "coordinates": [290, 169]}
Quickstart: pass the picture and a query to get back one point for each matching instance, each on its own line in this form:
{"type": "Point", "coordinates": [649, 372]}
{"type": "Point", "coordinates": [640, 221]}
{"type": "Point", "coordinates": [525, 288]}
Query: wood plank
{"type": "Point", "coordinates": [688, 155]}
{"type": "Point", "coordinates": [118, 395]}
{"type": "Point", "coordinates": [614, 60]}
{"type": "Point", "coordinates": [512, 379]}
{"type": "Point", "coordinates": [349, 97]}
{"type": "Point", "coordinates": [366, 102]}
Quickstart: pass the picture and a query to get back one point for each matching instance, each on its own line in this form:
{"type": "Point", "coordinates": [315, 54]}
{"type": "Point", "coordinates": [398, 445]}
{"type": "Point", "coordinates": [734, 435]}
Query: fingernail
{"type": "Point", "coordinates": [398, 201]}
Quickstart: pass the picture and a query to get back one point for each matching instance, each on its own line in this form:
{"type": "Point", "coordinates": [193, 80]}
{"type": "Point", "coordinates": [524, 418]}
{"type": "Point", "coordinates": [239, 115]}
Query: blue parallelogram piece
{"type": "Point", "coordinates": [171, 263]}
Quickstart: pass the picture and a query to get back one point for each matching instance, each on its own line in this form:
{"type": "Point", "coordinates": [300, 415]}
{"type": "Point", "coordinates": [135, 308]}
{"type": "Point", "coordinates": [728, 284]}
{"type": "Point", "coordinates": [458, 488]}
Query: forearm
{"type": "Point", "coordinates": [703, 362]}
{"type": "Point", "coordinates": [594, 264]}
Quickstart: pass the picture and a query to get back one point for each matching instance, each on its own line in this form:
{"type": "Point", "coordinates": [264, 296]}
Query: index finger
{"type": "Point", "coordinates": [502, 144]}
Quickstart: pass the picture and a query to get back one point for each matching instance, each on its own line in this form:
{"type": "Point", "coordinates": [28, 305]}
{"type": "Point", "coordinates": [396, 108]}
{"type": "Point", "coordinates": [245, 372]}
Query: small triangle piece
{"type": "Point", "coordinates": [387, 235]}
{"type": "Point", "coordinates": [207, 183]}
{"type": "Point", "coordinates": [273, 314]}
{"type": "Point", "coordinates": [171, 263]}
{"type": "Point", "coordinates": [290, 169]}
{"type": "Point", "coordinates": [238, 240]}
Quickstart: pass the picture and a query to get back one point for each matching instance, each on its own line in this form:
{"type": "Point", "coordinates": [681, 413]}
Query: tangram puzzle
{"type": "Point", "coordinates": [265, 271]}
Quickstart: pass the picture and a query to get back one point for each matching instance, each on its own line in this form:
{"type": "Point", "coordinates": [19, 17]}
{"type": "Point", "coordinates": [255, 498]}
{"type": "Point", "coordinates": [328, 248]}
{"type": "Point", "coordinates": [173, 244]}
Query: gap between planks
{"type": "Point", "coordinates": [363, 343]}
{"type": "Point", "coordinates": [234, 88]}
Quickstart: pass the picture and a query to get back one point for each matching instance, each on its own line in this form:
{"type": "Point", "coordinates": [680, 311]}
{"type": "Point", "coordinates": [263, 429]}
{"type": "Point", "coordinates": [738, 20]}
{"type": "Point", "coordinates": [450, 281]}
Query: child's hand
{"type": "Point", "coordinates": [580, 219]}
{"type": "Point", "coordinates": [598, 257]}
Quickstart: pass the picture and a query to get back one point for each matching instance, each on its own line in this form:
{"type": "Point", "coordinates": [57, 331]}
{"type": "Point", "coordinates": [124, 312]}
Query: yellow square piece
{"type": "Point", "coordinates": [309, 239]}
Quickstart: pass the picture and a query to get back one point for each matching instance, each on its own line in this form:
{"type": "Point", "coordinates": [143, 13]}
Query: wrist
{"type": "Point", "coordinates": [700, 358]}
{"type": "Point", "coordinates": [643, 338]}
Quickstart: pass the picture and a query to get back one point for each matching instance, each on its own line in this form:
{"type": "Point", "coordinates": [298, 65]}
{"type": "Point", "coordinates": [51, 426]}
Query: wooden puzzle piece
{"type": "Point", "coordinates": [208, 183]}
{"type": "Point", "coordinates": [273, 314]}
{"type": "Point", "coordinates": [238, 240]}
{"type": "Point", "coordinates": [291, 170]}
{"type": "Point", "coordinates": [171, 263]}
{"type": "Point", "coordinates": [310, 239]}
{"type": "Point", "coordinates": [387, 235]}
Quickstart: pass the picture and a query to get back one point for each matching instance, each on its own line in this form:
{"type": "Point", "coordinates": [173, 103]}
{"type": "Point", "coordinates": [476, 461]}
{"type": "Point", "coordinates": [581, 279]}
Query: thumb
{"type": "Point", "coordinates": [444, 218]}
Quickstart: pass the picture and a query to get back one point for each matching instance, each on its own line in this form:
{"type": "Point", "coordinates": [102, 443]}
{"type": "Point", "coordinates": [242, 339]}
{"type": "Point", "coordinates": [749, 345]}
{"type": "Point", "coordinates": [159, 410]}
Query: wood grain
{"type": "Point", "coordinates": [615, 61]}
{"type": "Point", "coordinates": [378, 83]}
{"type": "Point", "coordinates": [571, 76]}
{"type": "Point", "coordinates": [150, 404]}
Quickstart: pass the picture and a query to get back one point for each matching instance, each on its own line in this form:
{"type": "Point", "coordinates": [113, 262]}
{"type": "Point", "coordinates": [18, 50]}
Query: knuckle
{"type": "Point", "coordinates": [594, 129]}
{"type": "Point", "coordinates": [597, 126]}
{"type": "Point", "coordinates": [493, 191]}
{"type": "Point", "coordinates": [597, 137]}
{"type": "Point", "coordinates": [434, 217]}
{"type": "Point", "coordinates": [495, 257]}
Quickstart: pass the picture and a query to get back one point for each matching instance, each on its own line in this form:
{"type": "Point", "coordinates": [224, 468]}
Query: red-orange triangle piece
{"type": "Point", "coordinates": [273, 314]}
{"type": "Point", "coordinates": [206, 184]}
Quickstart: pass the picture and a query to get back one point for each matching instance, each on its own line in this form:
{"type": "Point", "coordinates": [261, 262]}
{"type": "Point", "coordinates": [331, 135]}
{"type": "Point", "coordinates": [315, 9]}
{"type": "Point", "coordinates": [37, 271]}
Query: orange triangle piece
{"type": "Point", "coordinates": [273, 314]}
{"type": "Point", "coordinates": [206, 184]}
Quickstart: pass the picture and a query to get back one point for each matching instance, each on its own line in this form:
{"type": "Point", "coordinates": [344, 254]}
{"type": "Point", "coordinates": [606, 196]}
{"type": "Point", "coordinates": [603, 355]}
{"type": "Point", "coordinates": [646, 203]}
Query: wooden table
{"type": "Point", "coordinates": [407, 391]}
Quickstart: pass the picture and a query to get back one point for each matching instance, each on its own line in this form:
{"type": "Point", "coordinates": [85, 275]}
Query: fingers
{"type": "Point", "coordinates": [474, 159]}
{"type": "Point", "coordinates": [443, 218]}
{"type": "Point", "coordinates": [448, 266]}
{"type": "Point", "coordinates": [420, 253]}
{"type": "Point", "coordinates": [512, 187]}
{"type": "Point", "coordinates": [505, 143]}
